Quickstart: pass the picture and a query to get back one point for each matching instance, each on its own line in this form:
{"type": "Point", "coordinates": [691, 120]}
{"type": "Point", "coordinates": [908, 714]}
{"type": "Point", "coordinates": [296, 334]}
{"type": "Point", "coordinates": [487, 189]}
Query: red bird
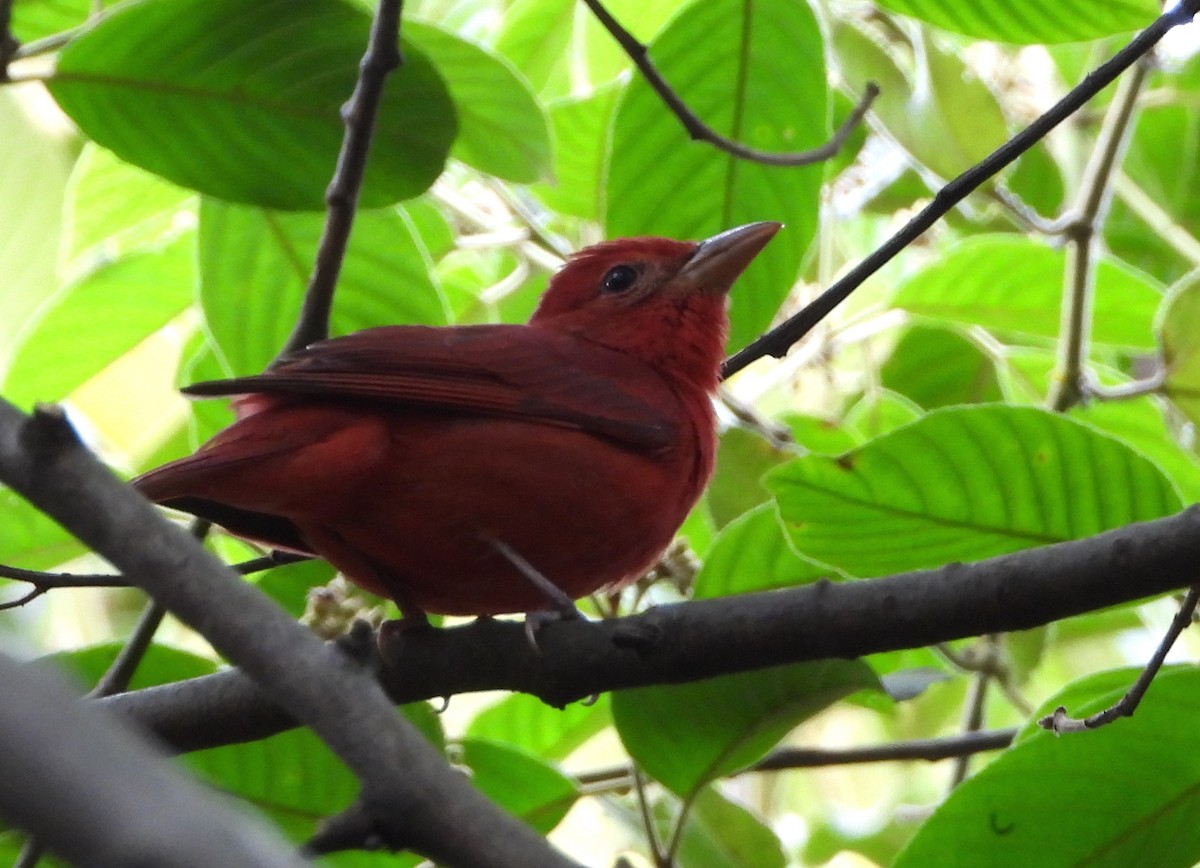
{"type": "Point", "coordinates": [476, 470]}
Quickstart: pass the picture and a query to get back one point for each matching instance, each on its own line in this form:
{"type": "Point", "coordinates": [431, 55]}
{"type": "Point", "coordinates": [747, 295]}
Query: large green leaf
{"type": "Point", "coordinates": [685, 735]}
{"type": "Point", "coordinates": [1119, 796]}
{"type": "Point", "coordinates": [501, 128]}
{"type": "Point", "coordinates": [762, 83]}
{"type": "Point", "coordinates": [254, 265]}
{"type": "Point", "coordinates": [133, 297]}
{"type": "Point", "coordinates": [1031, 21]}
{"type": "Point", "coordinates": [1010, 283]}
{"type": "Point", "coordinates": [964, 484]}
{"type": "Point", "coordinates": [743, 456]}
{"type": "Point", "coordinates": [240, 100]}
{"type": "Point", "coordinates": [526, 722]}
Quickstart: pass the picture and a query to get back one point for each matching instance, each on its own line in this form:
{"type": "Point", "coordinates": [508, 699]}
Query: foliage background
{"type": "Point", "coordinates": [164, 173]}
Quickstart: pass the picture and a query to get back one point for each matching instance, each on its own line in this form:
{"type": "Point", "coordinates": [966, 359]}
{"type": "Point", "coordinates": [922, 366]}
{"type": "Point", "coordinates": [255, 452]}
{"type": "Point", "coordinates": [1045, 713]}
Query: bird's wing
{"type": "Point", "coordinates": [512, 371]}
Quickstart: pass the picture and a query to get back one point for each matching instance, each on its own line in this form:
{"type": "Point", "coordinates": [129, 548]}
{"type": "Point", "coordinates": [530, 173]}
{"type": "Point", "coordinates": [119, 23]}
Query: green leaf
{"type": "Point", "coordinates": [1140, 422]}
{"type": "Point", "coordinates": [526, 722]}
{"type": "Point", "coordinates": [535, 35]}
{"type": "Point", "coordinates": [31, 540]}
{"type": "Point", "coordinates": [1010, 283]}
{"type": "Point", "coordinates": [115, 207]}
{"type": "Point", "coordinates": [254, 265]}
{"type": "Point", "coordinates": [1030, 21]}
{"type": "Point", "coordinates": [930, 102]}
{"type": "Point", "coordinates": [501, 128]}
{"type": "Point", "coordinates": [742, 458]}
{"type": "Point", "coordinates": [240, 100]}
{"type": "Point", "coordinates": [133, 297]}
{"type": "Point", "coordinates": [964, 484]}
{"type": "Point", "coordinates": [161, 664]}
{"type": "Point", "coordinates": [879, 412]}
{"type": "Point", "coordinates": [519, 782]}
{"type": "Point", "coordinates": [37, 19]}
{"type": "Point", "coordinates": [763, 83]}
{"type": "Point", "coordinates": [743, 717]}
{"type": "Point", "coordinates": [1122, 795]}
{"type": "Point", "coordinates": [718, 833]}
{"type": "Point", "coordinates": [32, 185]}
{"type": "Point", "coordinates": [580, 148]}
{"type": "Point", "coordinates": [752, 554]}
{"type": "Point", "coordinates": [937, 367]}
{"type": "Point", "coordinates": [1178, 329]}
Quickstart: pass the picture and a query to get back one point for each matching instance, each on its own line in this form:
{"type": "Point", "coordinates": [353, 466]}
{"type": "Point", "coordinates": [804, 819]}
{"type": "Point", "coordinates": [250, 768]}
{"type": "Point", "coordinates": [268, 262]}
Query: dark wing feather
{"type": "Point", "coordinates": [524, 372]}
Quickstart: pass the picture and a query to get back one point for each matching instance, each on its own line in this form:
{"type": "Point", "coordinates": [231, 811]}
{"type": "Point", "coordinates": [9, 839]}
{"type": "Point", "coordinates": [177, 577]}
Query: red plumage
{"type": "Point", "coordinates": [403, 454]}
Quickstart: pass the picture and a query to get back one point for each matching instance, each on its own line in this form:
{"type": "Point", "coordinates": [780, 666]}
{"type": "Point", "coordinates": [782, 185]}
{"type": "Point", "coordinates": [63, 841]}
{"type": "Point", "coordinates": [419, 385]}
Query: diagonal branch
{"type": "Point", "coordinates": [702, 132]}
{"type": "Point", "coordinates": [383, 56]}
{"type": "Point", "coordinates": [781, 338]}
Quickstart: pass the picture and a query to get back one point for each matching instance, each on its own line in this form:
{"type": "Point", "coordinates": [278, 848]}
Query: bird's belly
{"type": "Point", "coordinates": [583, 511]}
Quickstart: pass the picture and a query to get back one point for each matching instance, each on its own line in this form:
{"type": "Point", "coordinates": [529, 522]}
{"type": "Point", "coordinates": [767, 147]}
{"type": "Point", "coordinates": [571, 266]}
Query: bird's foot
{"type": "Point", "coordinates": [537, 621]}
{"type": "Point", "coordinates": [410, 621]}
{"type": "Point", "coordinates": [561, 606]}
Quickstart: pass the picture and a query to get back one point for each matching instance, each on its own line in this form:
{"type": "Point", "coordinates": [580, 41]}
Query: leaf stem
{"type": "Point", "coordinates": [1069, 384]}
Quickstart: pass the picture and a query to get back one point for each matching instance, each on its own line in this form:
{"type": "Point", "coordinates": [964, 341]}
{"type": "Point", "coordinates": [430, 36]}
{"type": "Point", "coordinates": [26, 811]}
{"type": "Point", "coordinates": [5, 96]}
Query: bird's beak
{"type": "Point", "coordinates": [717, 262]}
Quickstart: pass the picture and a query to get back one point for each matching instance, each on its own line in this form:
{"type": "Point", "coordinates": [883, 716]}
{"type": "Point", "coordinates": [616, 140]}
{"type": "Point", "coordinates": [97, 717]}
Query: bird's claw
{"type": "Point", "coordinates": [537, 621]}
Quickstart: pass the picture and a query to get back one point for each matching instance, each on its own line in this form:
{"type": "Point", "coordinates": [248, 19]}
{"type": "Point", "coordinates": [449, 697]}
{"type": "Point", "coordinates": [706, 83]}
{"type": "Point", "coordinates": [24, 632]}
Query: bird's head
{"type": "Point", "coordinates": [659, 299]}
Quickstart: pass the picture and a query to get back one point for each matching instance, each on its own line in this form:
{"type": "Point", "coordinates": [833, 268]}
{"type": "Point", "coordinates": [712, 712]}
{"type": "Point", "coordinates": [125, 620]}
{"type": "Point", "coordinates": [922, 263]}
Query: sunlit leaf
{"type": "Point", "coordinates": [752, 554]}
{"type": "Point", "coordinates": [254, 266]}
{"type": "Point", "coordinates": [1117, 796]}
{"type": "Point", "coordinates": [501, 128]}
{"type": "Point", "coordinates": [519, 782]}
{"type": "Point", "coordinates": [241, 101]}
{"type": "Point", "coordinates": [685, 735]}
{"type": "Point", "coordinates": [1010, 283]}
{"type": "Point", "coordinates": [526, 722]}
{"type": "Point", "coordinates": [1031, 21]}
{"type": "Point", "coordinates": [964, 484]}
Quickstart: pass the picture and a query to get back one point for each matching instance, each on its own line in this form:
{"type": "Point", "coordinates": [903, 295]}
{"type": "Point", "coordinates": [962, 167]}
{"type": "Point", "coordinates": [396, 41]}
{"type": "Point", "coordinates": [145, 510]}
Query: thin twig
{"type": "Point", "coordinates": [1079, 277]}
{"type": "Point", "coordinates": [43, 582]}
{"type": "Point", "coordinates": [1150, 385]}
{"type": "Point", "coordinates": [1060, 722]}
{"type": "Point", "coordinates": [652, 838]}
{"type": "Point", "coordinates": [359, 113]}
{"type": "Point", "coordinates": [702, 132]}
{"type": "Point", "coordinates": [781, 338]}
{"type": "Point", "coordinates": [1026, 215]}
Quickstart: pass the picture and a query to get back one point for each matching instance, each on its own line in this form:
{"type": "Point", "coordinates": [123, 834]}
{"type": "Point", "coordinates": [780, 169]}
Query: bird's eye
{"type": "Point", "coordinates": [619, 278]}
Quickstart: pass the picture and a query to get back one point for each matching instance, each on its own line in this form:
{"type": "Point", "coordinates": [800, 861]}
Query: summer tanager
{"type": "Point", "coordinates": [476, 470]}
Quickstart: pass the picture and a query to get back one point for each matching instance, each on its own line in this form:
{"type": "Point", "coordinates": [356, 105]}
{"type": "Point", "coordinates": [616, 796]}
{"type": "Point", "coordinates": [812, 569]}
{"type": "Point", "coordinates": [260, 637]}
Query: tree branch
{"type": "Point", "coordinates": [781, 338]}
{"type": "Point", "coordinates": [702, 132]}
{"type": "Point", "coordinates": [118, 802]}
{"type": "Point", "coordinates": [704, 638]}
{"type": "Point", "coordinates": [359, 113]}
{"type": "Point", "coordinates": [416, 799]}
